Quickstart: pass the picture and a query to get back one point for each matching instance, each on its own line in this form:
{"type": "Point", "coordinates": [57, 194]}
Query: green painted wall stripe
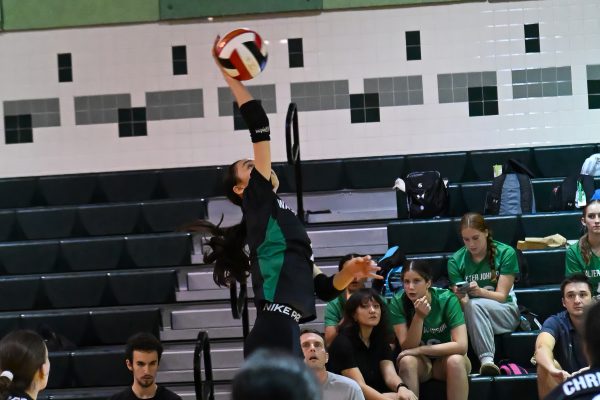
{"type": "Point", "coordinates": [175, 9]}
{"type": "Point", "coordinates": [44, 14]}
{"type": "Point", "coordinates": [339, 4]}
{"type": "Point", "coordinates": [39, 14]}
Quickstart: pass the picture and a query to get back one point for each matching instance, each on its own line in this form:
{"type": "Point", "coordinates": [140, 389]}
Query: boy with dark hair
{"type": "Point", "coordinates": [558, 348]}
{"type": "Point", "coordinates": [585, 385]}
{"type": "Point", "coordinates": [142, 357]}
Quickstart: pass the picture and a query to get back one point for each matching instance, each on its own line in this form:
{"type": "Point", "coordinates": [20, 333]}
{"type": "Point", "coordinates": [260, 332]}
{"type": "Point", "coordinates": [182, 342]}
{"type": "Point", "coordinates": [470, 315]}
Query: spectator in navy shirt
{"type": "Point", "coordinates": [585, 385]}
{"type": "Point", "coordinates": [558, 348]}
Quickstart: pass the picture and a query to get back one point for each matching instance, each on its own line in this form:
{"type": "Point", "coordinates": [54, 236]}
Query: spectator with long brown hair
{"type": "Point", "coordinates": [489, 269]}
{"type": "Point", "coordinates": [361, 350]}
{"type": "Point", "coordinates": [584, 256]}
{"type": "Point", "coordinates": [430, 327]}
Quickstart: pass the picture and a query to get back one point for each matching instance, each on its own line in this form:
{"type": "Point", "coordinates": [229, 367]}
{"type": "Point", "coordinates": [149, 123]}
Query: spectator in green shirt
{"type": "Point", "coordinates": [584, 256]}
{"type": "Point", "coordinates": [334, 311]}
{"type": "Point", "coordinates": [430, 327]}
{"type": "Point", "coordinates": [486, 270]}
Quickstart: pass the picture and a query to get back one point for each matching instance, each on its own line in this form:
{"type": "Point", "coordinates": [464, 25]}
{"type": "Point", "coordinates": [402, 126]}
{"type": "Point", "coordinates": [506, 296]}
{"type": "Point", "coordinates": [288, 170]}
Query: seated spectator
{"type": "Point", "coordinates": [489, 269]}
{"type": "Point", "coordinates": [558, 348]}
{"type": "Point", "coordinates": [142, 357]}
{"type": "Point", "coordinates": [274, 375]}
{"type": "Point", "coordinates": [361, 350]}
{"type": "Point", "coordinates": [334, 311]}
{"type": "Point", "coordinates": [430, 327]}
{"type": "Point", "coordinates": [584, 256]}
{"type": "Point", "coordinates": [335, 387]}
{"type": "Point", "coordinates": [24, 365]}
{"type": "Point", "coordinates": [586, 384]}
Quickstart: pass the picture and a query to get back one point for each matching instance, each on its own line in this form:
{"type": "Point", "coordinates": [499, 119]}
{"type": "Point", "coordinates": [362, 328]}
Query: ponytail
{"type": "Point", "coordinates": [5, 382]}
{"type": "Point", "coordinates": [409, 309]}
{"type": "Point", "coordinates": [227, 244]}
{"type": "Point", "coordinates": [585, 248]}
{"type": "Point", "coordinates": [227, 250]}
{"type": "Point", "coordinates": [491, 251]}
{"type": "Point", "coordinates": [22, 354]}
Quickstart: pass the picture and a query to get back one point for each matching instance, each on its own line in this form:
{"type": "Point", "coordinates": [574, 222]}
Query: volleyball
{"type": "Point", "coordinates": [242, 53]}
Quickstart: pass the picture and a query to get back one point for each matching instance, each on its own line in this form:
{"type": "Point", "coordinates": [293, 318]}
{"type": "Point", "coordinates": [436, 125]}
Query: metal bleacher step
{"type": "Point", "coordinates": [182, 322]}
{"type": "Point", "coordinates": [186, 392]}
{"type": "Point", "coordinates": [323, 207]}
{"type": "Point", "coordinates": [177, 361]}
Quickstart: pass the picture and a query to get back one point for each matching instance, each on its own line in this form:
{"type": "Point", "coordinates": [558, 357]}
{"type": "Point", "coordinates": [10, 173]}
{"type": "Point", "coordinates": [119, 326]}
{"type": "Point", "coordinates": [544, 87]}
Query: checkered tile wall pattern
{"type": "Point", "coordinates": [446, 74]}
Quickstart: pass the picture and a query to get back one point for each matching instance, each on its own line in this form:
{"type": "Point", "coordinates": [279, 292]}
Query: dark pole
{"type": "Point", "coordinates": [292, 144]}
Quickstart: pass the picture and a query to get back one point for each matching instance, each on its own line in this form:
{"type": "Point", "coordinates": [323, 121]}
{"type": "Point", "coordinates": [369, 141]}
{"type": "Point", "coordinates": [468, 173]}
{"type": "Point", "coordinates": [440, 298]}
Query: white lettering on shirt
{"type": "Point", "coordinates": [283, 206]}
{"type": "Point", "coordinates": [283, 309]}
{"type": "Point", "coordinates": [581, 382]}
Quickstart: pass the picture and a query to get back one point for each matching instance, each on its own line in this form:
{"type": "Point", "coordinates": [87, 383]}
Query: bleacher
{"type": "Point", "coordinates": [95, 257]}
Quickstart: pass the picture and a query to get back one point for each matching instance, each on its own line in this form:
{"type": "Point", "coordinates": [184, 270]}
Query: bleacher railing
{"type": "Point", "coordinates": [205, 390]}
{"type": "Point", "coordinates": [239, 304]}
{"type": "Point", "coordinates": [292, 146]}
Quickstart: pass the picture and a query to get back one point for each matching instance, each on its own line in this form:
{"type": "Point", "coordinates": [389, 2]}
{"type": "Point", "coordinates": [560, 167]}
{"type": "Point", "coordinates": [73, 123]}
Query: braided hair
{"type": "Point", "coordinates": [476, 221]}
{"type": "Point", "coordinates": [584, 244]}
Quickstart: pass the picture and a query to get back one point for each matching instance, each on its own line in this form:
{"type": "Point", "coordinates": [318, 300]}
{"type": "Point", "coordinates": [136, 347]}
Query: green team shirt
{"type": "Point", "coordinates": [445, 315]}
{"type": "Point", "coordinates": [334, 311]}
{"type": "Point", "coordinates": [461, 267]}
{"type": "Point", "coordinates": [574, 264]}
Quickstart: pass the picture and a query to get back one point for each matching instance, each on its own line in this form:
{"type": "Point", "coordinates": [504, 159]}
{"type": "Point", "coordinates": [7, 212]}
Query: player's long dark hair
{"type": "Point", "coordinates": [584, 244]}
{"type": "Point", "coordinates": [476, 221]}
{"type": "Point", "coordinates": [22, 353]}
{"type": "Point", "coordinates": [227, 244]}
{"type": "Point", "coordinates": [351, 327]}
{"type": "Point", "coordinates": [424, 271]}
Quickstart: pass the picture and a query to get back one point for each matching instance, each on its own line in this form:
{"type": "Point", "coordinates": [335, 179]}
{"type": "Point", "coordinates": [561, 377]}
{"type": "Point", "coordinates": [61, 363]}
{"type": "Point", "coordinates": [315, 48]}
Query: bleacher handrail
{"type": "Point", "coordinates": [239, 305]}
{"type": "Point", "coordinates": [204, 390]}
{"type": "Point", "coordinates": [292, 145]}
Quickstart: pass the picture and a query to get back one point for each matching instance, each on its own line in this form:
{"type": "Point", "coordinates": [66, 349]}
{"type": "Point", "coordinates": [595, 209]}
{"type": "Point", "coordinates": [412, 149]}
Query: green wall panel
{"type": "Point", "coordinates": [175, 9]}
{"type": "Point", "coordinates": [39, 14]}
{"type": "Point", "coordinates": [337, 4]}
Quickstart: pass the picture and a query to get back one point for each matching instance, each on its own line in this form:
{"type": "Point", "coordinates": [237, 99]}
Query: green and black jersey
{"type": "Point", "coordinates": [280, 250]}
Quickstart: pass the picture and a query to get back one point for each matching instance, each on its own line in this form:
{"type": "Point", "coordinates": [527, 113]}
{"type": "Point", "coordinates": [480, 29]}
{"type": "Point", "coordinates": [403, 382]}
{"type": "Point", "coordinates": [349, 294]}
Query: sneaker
{"type": "Point", "coordinates": [489, 369]}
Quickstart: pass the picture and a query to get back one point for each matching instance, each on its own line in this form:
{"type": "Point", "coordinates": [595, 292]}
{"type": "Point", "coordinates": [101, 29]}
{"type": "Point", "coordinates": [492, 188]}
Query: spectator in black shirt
{"type": "Point", "coordinates": [142, 357]}
{"type": "Point", "coordinates": [361, 350]}
{"type": "Point", "coordinates": [284, 277]}
{"type": "Point", "coordinates": [24, 365]}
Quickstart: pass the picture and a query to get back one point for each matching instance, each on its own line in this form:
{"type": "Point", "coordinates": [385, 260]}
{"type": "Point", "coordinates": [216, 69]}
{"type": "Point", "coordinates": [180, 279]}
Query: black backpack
{"type": "Point", "coordinates": [511, 192]}
{"type": "Point", "coordinates": [426, 195]}
{"type": "Point", "coordinates": [563, 196]}
{"type": "Point", "coordinates": [391, 264]}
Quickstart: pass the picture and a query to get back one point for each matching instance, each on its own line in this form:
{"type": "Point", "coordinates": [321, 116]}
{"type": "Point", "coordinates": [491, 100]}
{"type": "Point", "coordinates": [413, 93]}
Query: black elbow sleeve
{"type": "Point", "coordinates": [257, 121]}
{"type": "Point", "coordinates": [324, 287]}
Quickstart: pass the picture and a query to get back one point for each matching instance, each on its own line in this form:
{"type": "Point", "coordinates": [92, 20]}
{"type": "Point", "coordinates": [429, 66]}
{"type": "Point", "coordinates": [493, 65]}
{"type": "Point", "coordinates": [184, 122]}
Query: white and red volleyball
{"type": "Point", "coordinates": [242, 53]}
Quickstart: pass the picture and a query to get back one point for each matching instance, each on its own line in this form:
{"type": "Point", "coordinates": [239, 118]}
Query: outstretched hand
{"type": "Point", "coordinates": [356, 268]}
{"type": "Point", "coordinates": [216, 58]}
{"type": "Point", "coordinates": [362, 267]}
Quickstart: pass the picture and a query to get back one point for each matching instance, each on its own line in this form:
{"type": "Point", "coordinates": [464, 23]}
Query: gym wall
{"type": "Point", "coordinates": [368, 81]}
